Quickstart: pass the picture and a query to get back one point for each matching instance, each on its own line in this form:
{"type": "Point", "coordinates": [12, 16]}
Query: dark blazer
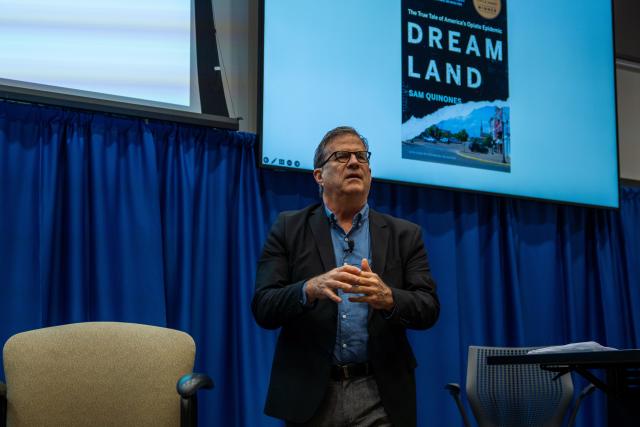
{"type": "Point", "coordinates": [298, 248]}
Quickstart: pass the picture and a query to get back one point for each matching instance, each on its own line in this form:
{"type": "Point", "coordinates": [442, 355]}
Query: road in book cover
{"type": "Point", "coordinates": [455, 83]}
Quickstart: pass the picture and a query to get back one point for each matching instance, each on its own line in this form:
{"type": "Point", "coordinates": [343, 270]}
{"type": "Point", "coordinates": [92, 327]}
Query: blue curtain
{"type": "Point", "coordinates": [105, 218]}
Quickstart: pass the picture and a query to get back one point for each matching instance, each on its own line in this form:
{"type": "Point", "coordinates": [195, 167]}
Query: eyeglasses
{"type": "Point", "coordinates": [345, 156]}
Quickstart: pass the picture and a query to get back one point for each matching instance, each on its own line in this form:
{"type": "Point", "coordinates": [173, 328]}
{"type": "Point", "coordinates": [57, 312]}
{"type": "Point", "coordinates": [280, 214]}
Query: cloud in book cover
{"type": "Point", "coordinates": [454, 118]}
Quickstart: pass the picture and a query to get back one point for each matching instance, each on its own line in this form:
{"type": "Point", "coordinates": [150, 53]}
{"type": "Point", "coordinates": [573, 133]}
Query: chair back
{"type": "Point", "coordinates": [515, 395]}
{"type": "Point", "coordinates": [96, 374]}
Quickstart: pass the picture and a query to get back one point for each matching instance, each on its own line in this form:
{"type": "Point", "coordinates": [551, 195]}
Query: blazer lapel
{"type": "Point", "coordinates": [322, 235]}
{"type": "Point", "coordinates": [379, 242]}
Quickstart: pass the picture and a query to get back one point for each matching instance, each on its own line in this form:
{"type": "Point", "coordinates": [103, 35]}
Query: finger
{"type": "Point", "coordinates": [368, 274]}
{"type": "Point", "coordinates": [338, 284]}
{"type": "Point", "coordinates": [366, 290]}
{"type": "Point", "coordinates": [363, 285]}
{"type": "Point", "coordinates": [331, 295]}
{"type": "Point", "coordinates": [349, 278]}
{"type": "Point", "coordinates": [369, 281]}
{"type": "Point", "coordinates": [365, 265]}
{"type": "Point", "coordinates": [349, 269]}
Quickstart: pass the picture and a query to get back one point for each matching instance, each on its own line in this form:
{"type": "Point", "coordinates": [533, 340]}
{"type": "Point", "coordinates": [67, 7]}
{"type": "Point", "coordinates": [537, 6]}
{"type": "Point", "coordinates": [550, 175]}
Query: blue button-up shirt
{"type": "Point", "coordinates": [352, 334]}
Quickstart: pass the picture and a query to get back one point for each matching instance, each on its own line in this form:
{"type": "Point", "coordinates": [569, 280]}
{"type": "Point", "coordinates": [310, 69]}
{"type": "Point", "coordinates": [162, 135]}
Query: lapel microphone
{"type": "Point", "coordinates": [351, 245]}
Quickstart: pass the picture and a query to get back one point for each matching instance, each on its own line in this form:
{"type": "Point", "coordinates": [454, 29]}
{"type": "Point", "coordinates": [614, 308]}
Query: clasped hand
{"type": "Point", "coordinates": [352, 280]}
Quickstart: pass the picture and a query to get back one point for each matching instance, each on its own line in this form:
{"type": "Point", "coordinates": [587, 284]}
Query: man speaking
{"type": "Point", "coordinates": [344, 282]}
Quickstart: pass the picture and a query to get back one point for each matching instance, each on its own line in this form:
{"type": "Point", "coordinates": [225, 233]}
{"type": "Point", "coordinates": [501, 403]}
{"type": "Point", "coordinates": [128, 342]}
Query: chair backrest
{"type": "Point", "coordinates": [96, 374]}
{"type": "Point", "coordinates": [515, 395]}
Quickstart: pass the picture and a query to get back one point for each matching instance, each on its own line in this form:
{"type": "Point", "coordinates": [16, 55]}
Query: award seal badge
{"type": "Point", "coordinates": [488, 9]}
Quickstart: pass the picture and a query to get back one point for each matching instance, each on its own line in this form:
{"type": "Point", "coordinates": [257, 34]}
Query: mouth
{"type": "Point", "coordinates": [353, 176]}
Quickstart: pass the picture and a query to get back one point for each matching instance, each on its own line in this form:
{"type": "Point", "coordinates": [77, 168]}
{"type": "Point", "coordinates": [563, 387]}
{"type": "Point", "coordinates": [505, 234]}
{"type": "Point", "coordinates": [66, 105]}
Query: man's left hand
{"type": "Point", "coordinates": [375, 292]}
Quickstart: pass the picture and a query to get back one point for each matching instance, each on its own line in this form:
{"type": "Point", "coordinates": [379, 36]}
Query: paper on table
{"type": "Point", "coordinates": [572, 348]}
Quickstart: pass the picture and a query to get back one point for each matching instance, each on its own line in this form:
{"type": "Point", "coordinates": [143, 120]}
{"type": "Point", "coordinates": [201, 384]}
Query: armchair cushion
{"type": "Point", "coordinates": [96, 373]}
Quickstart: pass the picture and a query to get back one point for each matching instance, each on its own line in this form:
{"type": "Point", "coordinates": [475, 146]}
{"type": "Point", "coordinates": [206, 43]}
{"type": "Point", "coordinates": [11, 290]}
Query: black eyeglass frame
{"type": "Point", "coordinates": [351, 153]}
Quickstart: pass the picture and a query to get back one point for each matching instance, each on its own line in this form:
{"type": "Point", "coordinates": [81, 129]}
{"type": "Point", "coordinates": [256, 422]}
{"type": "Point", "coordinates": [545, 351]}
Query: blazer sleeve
{"type": "Point", "coordinates": [276, 300]}
{"type": "Point", "coordinates": [416, 302]}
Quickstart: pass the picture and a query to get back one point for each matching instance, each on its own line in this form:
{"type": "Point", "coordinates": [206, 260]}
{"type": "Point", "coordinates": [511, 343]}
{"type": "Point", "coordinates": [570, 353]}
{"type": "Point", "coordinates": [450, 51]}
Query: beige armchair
{"type": "Point", "coordinates": [100, 374]}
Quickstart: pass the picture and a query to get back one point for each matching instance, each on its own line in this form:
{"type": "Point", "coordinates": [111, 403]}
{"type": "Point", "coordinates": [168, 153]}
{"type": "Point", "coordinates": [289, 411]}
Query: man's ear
{"type": "Point", "coordinates": [317, 175]}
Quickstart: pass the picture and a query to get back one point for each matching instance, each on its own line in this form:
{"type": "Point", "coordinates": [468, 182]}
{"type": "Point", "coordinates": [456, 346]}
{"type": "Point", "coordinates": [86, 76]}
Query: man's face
{"type": "Point", "coordinates": [351, 178]}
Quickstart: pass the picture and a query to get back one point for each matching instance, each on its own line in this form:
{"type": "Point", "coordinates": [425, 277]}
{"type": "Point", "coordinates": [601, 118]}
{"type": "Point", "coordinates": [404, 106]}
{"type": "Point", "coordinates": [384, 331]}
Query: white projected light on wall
{"type": "Point", "coordinates": [138, 49]}
{"type": "Point", "coordinates": [505, 97]}
{"type": "Point", "coordinates": [156, 59]}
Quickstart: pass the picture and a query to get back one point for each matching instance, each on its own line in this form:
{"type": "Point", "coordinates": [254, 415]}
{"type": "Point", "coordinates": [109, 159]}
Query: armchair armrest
{"type": "Point", "coordinates": [188, 386]}
{"type": "Point", "coordinates": [454, 390]}
{"type": "Point", "coordinates": [584, 393]}
{"type": "Point", "coordinates": [3, 404]}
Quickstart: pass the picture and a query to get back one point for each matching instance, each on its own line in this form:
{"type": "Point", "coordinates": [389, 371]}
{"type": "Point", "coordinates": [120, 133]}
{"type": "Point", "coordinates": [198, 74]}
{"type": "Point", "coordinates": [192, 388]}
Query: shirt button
{"type": "Point", "coordinates": [344, 345]}
{"type": "Point", "coordinates": [344, 316]}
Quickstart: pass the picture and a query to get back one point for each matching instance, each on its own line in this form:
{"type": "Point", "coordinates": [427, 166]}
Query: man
{"type": "Point", "coordinates": [344, 282]}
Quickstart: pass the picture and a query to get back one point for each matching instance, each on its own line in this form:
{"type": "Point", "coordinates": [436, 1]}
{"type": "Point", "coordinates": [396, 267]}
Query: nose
{"type": "Point", "coordinates": [352, 160]}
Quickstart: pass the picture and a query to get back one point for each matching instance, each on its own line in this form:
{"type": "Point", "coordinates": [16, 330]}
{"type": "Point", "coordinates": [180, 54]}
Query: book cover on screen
{"type": "Point", "coordinates": [455, 83]}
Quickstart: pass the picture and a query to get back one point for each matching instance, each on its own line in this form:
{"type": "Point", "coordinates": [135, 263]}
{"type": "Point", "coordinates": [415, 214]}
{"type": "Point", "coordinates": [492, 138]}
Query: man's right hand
{"type": "Point", "coordinates": [326, 285]}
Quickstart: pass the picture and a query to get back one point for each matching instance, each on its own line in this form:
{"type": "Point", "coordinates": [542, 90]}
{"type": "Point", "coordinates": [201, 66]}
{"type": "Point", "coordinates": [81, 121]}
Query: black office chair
{"type": "Point", "coordinates": [515, 395]}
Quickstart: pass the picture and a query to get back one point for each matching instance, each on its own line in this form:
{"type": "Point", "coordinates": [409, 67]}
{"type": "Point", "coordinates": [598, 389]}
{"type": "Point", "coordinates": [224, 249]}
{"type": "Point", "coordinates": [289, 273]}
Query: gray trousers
{"type": "Point", "coordinates": [350, 403]}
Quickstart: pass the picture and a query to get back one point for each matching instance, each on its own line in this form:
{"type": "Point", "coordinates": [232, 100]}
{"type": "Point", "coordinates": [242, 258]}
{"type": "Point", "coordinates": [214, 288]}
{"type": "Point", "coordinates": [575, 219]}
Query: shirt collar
{"type": "Point", "coordinates": [359, 218]}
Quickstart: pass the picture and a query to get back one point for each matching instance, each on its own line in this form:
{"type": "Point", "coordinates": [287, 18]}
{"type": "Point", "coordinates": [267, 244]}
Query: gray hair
{"type": "Point", "coordinates": [319, 155]}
